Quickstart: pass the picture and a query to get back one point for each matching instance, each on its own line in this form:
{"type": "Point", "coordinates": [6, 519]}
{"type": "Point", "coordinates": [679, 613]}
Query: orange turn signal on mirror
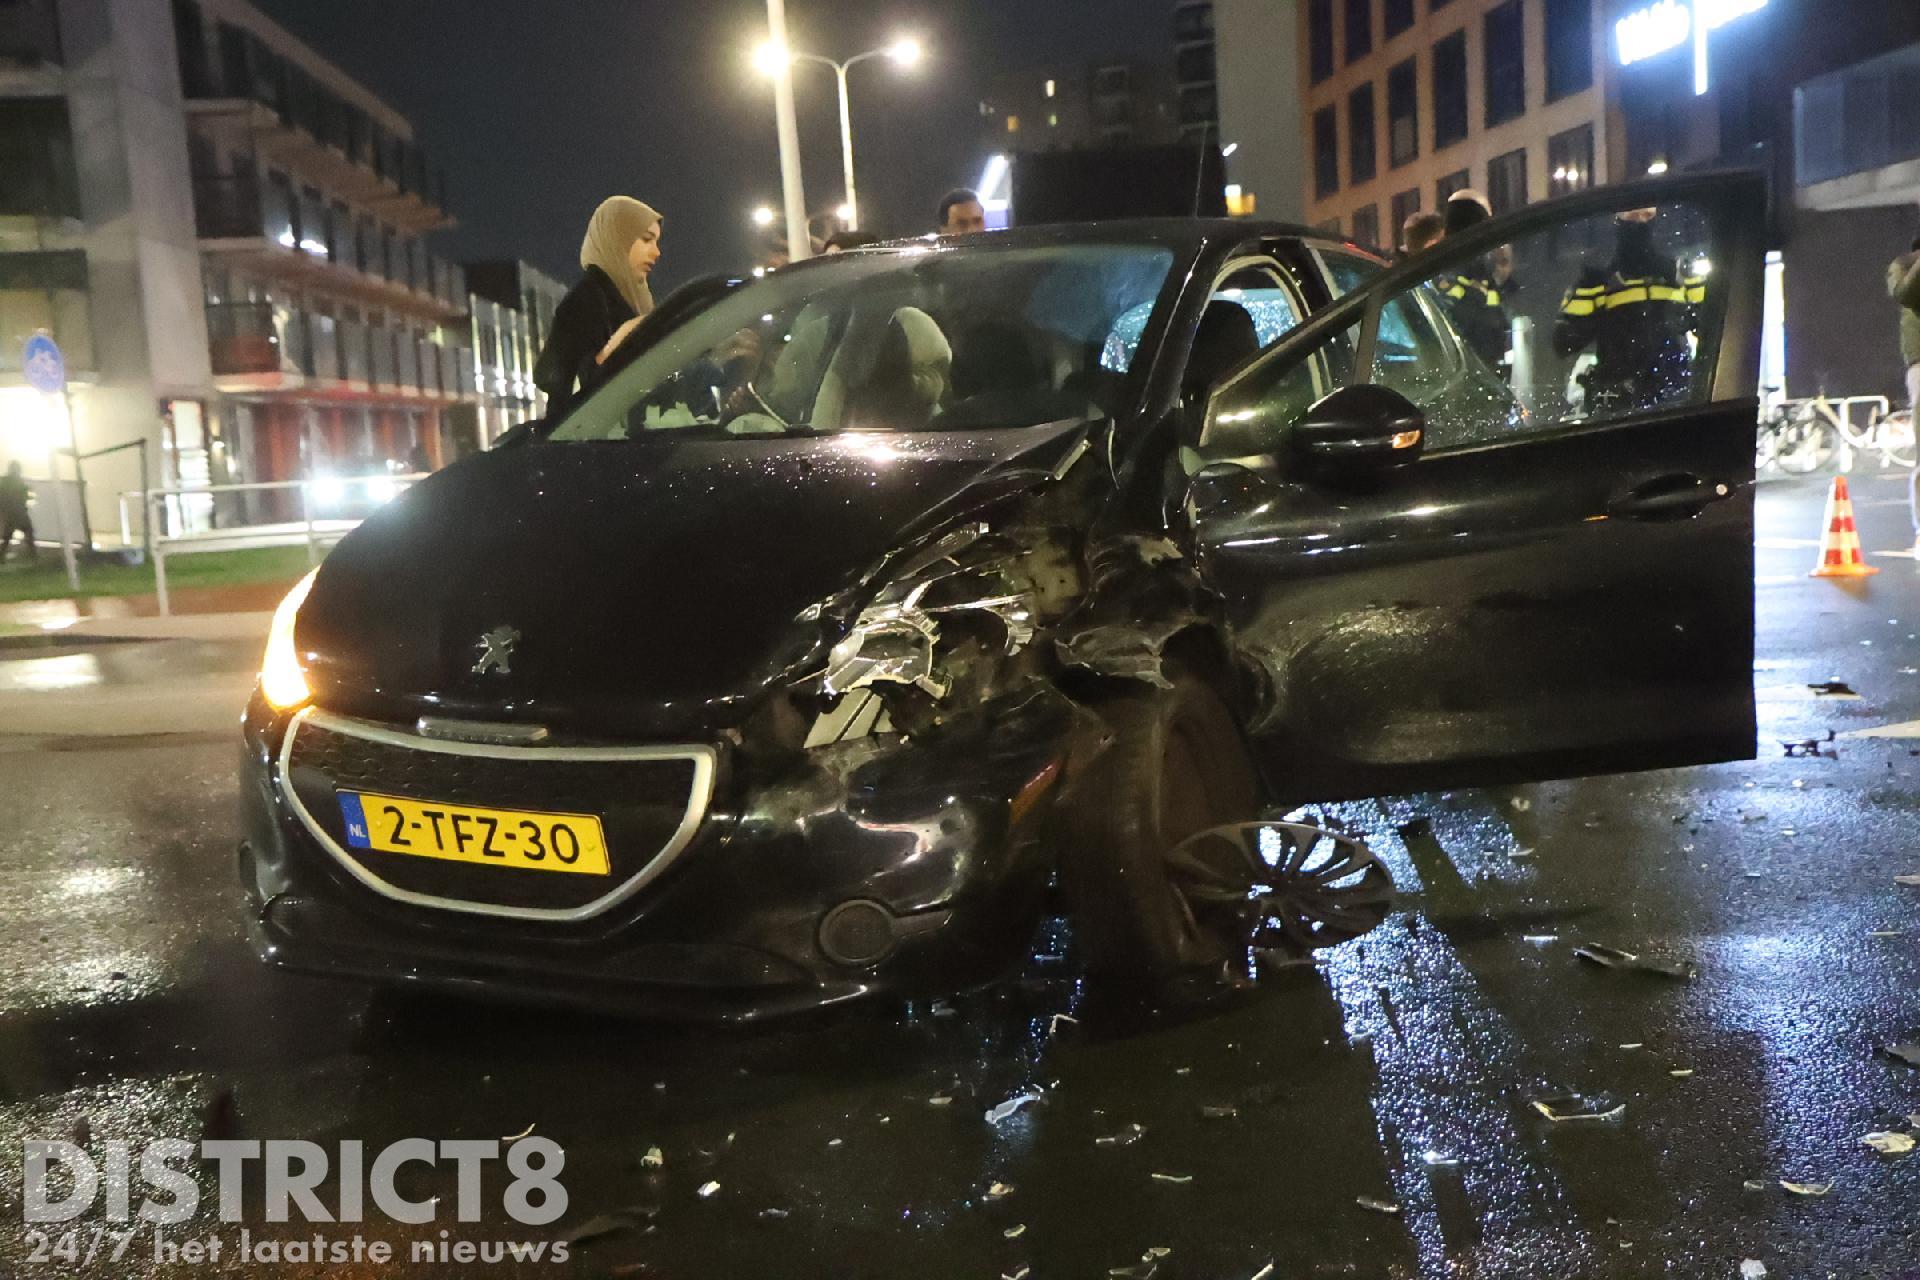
{"type": "Point", "coordinates": [1406, 439]}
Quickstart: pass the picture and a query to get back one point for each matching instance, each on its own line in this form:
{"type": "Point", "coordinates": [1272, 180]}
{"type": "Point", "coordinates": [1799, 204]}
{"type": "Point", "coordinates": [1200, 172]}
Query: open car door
{"type": "Point", "coordinates": [1459, 552]}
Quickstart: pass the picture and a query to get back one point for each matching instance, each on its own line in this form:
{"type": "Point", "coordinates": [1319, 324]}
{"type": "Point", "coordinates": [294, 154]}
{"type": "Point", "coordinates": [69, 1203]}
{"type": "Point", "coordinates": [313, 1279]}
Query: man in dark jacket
{"type": "Point", "coordinates": [1903, 284]}
{"type": "Point", "coordinates": [1637, 313]}
{"type": "Point", "coordinates": [14, 516]}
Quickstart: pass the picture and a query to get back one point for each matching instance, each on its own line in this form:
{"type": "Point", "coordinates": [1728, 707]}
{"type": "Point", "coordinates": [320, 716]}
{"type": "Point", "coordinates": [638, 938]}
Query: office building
{"type": "Point", "coordinates": [1407, 101]}
{"type": "Point", "coordinates": [1399, 103]}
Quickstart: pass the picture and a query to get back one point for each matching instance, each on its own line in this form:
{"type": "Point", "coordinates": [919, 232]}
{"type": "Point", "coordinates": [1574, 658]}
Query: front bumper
{"type": "Point", "coordinates": [874, 866]}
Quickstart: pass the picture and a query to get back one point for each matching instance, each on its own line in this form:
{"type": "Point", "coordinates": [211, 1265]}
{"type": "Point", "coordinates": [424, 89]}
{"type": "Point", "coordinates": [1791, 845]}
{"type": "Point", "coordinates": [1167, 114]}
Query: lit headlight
{"type": "Point", "coordinates": [283, 681]}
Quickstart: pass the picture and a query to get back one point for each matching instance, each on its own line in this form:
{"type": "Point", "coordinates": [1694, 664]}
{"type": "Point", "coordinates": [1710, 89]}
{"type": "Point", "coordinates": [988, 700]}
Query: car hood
{"type": "Point", "coordinates": [652, 587]}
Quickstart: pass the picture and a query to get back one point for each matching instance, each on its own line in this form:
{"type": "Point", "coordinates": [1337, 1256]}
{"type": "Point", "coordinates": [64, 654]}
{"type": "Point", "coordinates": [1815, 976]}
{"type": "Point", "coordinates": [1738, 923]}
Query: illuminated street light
{"type": "Point", "coordinates": [845, 214]}
{"type": "Point", "coordinates": [772, 56]}
{"type": "Point", "coordinates": [764, 216]}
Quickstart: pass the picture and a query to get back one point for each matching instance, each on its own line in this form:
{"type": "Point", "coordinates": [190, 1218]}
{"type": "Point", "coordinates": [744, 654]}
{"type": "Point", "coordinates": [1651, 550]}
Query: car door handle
{"type": "Point", "coordinates": [1673, 497]}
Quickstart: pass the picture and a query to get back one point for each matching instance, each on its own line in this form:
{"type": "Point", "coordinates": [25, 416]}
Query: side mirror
{"type": "Point", "coordinates": [1361, 428]}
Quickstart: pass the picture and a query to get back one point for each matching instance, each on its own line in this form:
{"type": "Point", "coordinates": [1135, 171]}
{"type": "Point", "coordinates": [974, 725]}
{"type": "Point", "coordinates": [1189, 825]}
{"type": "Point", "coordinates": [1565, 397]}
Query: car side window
{"type": "Point", "coordinates": [1585, 320]}
{"type": "Point", "coordinates": [1346, 271]}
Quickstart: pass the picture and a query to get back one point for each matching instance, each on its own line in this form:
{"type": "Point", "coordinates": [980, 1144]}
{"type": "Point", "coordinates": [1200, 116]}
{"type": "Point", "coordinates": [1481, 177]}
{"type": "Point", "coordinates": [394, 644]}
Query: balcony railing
{"type": "Point", "coordinates": [244, 337]}
{"type": "Point", "coordinates": [1858, 120]}
{"type": "Point", "coordinates": [245, 207]}
{"type": "Point", "coordinates": [356, 361]}
{"type": "Point", "coordinates": [220, 61]}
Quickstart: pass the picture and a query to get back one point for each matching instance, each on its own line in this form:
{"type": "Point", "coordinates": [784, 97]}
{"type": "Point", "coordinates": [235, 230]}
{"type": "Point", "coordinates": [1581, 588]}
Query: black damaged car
{"type": "Point", "coordinates": [876, 610]}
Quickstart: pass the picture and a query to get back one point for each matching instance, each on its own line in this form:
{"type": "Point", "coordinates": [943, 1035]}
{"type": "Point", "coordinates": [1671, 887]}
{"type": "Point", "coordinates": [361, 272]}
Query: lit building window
{"type": "Point", "coordinates": [1051, 88]}
{"type": "Point", "coordinates": [1013, 124]}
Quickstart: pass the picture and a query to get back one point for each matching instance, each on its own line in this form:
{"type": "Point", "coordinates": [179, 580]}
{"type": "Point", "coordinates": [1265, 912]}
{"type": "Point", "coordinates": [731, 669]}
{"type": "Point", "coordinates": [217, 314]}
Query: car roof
{"type": "Point", "coordinates": [1186, 236]}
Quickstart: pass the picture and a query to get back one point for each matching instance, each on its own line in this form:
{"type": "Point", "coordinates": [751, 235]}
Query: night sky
{"type": "Point", "coordinates": [537, 110]}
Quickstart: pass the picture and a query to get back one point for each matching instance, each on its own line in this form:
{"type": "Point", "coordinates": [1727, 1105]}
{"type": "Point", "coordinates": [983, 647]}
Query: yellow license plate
{"type": "Point", "coordinates": [486, 837]}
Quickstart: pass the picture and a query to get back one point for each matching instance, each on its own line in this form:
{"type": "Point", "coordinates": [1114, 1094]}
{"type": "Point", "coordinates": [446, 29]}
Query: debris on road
{"type": "Point", "coordinates": [1813, 1190]}
{"type": "Point", "coordinates": [1146, 1269]}
{"type": "Point", "coordinates": [1015, 1231]}
{"type": "Point", "coordinates": [1804, 747]}
{"type": "Point", "coordinates": [1218, 1112]}
{"type": "Point", "coordinates": [1018, 1273]}
{"type": "Point", "coordinates": [1372, 1205]}
{"type": "Point", "coordinates": [1574, 1106]}
{"type": "Point", "coordinates": [1614, 958]}
{"type": "Point", "coordinates": [1176, 1179]}
{"type": "Point", "coordinates": [1521, 804]}
{"type": "Point", "coordinates": [1908, 1053]}
{"type": "Point", "coordinates": [1911, 882]}
{"type": "Point", "coordinates": [1053, 1023]}
{"type": "Point", "coordinates": [773, 1215]}
{"type": "Point", "coordinates": [1125, 1138]}
{"type": "Point", "coordinates": [1833, 689]}
{"type": "Point", "coordinates": [999, 1191]}
{"type": "Point", "coordinates": [1755, 1184]}
{"type": "Point", "coordinates": [515, 1137]}
{"type": "Point", "coordinates": [1889, 1144]}
{"type": "Point", "coordinates": [655, 1158]}
{"type": "Point", "coordinates": [1637, 1044]}
{"type": "Point", "coordinates": [1681, 1073]}
{"type": "Point", "coordinates": [1438, 1161]}
{"type": "Point", "coordinates": [1010, 1106]}
{"type": "Point", "coordinates": [707, 1189]}
{"type": "Point", "coordinates": [1753, 1269]}
{"type": "Point", "coordinates": [940, 1100]}
{"type": "Point", "coordinates": [1263, 1273]}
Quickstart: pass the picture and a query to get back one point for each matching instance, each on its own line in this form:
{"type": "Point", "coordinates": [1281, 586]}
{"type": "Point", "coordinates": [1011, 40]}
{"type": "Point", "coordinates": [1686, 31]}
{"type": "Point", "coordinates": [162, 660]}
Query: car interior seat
{"type": "Point", "coordinates": [1225, 338]}
{"type": "Point", "coordinates": [910, 376]}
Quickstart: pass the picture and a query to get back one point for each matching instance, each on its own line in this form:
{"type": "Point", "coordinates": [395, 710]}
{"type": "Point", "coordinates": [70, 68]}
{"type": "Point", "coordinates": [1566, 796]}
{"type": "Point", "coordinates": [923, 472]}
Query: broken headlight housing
{"type": "Point", "coordinates": [954, 627]}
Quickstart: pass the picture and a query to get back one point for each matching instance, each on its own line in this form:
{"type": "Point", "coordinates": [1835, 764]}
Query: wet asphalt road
{"type": "Point", "coordinates": [1400, 1068]}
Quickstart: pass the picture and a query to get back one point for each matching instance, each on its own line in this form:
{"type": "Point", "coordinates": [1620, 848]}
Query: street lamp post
{"type": "Point", "coordinates": [799, 247]}
{"type": "Point", "coordinates": [903, 52]}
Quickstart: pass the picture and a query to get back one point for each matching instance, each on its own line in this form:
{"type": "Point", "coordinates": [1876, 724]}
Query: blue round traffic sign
{"type": "Point", "coordinates": [46, 367]}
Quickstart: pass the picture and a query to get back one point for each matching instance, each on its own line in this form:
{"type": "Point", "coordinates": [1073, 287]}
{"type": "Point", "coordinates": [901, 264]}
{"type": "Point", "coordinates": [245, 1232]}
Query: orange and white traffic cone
{"type": "Point", "coordinates": [1840, 555]}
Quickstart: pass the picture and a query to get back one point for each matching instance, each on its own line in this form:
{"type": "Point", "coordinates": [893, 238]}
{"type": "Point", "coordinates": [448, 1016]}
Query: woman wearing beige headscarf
{"type": "Point", "coordinates": [621, 247]}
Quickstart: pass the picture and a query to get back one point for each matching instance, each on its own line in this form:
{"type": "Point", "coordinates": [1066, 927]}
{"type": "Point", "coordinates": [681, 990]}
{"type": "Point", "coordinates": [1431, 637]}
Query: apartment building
{"type": "Point", "coordinates": [1407, 101]}
{"type": "Point", "coordinates": [228, 238]}
{"type": "Point", "coordinates": [1068, 106]}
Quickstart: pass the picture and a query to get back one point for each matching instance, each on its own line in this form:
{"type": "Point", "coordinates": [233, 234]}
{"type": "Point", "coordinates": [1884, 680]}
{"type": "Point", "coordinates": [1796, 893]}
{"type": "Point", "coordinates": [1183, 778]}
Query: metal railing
{"type": "Point", "coordinates": [313, 528]}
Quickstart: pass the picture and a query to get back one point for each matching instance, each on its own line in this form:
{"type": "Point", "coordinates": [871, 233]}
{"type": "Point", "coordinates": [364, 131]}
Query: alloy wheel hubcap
{"type": "Point", "coordinates": [1282, 883]}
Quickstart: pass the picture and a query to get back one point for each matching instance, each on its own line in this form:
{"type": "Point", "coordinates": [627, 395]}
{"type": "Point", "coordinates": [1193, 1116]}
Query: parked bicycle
{"type": "Point", "coordinates": [1798, 437]}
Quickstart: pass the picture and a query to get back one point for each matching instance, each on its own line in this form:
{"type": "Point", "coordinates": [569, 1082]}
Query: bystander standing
{"type": "Point", "coordinates": [14, 516]}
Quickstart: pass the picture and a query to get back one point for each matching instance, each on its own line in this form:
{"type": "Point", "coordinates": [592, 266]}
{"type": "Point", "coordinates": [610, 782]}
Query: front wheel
{"type": "Point", "coordinates": [1166, 868]}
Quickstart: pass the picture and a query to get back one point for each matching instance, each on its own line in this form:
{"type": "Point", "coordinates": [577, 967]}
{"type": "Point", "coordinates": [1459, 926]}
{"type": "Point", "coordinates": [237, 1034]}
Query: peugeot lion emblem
{"type": "Point", "coordinates": [496, 651]}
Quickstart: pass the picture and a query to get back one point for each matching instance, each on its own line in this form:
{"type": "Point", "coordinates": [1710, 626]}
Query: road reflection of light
{"type": "Point", "coordinates": [48, 675]}
{"type": "Point", "coordinates": [93, 881]}
{"type": "Point", "coordinates": [1438, 1047]}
